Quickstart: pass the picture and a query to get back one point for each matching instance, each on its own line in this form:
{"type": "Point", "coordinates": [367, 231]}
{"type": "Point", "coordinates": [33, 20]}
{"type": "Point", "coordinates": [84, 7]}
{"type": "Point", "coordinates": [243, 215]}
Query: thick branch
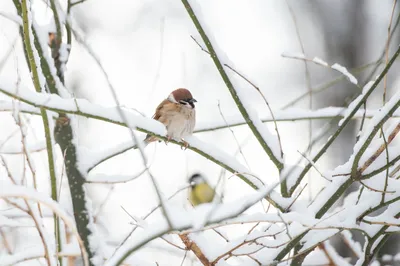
{"type": "Point", "coordinates": [64, 136]}
{"type": "Point", "coordinates": [191, 245]}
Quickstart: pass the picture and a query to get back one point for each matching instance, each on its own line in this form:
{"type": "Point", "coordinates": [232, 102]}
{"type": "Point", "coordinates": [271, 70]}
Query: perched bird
{"type": "Point", "coordinates": [178, 114]}
{"type": "Point", "coordinates": [200, 191]}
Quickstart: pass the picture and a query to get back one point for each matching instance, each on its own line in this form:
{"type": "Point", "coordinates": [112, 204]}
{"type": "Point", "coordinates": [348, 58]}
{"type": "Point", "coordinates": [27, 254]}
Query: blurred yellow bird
{"type": "Point", "coordinates": [200, 191]}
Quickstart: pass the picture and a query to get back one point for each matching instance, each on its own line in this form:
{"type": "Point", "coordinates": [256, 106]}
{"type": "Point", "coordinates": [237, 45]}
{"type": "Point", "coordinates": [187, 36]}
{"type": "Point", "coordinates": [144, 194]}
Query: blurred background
{"type": "Point", "coordinates": [147, 50]}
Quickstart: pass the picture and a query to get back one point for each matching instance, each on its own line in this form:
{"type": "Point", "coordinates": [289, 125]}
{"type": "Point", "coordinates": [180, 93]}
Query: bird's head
{"type": "Point", "coordinates": [196, 179]}
{"type": "Point", "coordinates": [182, 97]}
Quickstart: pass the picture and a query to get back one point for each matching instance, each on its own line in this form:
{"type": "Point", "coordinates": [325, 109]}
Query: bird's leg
{"type": "Point", "coordinates": [185, 144]}
{"type": "Point", "coordinates": [168, 139]}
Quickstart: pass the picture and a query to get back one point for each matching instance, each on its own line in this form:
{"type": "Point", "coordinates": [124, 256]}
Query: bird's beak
{"type": "Point", "coordinates": [193, 101]}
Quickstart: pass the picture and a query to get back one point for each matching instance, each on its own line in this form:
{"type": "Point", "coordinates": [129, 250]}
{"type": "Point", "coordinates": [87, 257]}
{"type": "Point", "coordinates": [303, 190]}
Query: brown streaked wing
{"type": "Point", "coordinates": [162, 108]}
{"type": "Point", "coordinates": [162, 105]}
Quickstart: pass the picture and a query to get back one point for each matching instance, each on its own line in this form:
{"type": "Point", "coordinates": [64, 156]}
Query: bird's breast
{"type": "Point", "coordinates": [181, 123]}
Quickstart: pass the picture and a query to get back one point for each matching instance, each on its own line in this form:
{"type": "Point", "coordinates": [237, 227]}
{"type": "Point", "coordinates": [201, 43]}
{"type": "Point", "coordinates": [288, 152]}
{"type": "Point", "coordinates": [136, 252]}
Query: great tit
{"type": "Point", "coordinates": [200, 191]}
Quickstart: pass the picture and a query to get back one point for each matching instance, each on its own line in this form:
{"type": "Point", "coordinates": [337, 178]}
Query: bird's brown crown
{"type": "Point", "coordinates": [181, 94]}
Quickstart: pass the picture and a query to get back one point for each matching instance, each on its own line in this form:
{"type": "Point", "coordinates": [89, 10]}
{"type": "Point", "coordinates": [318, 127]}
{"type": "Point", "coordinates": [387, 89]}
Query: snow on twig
{"type": "Point", "coordinates": [14, 191]}
{"type": "Point", "coordinates": [316, 60]}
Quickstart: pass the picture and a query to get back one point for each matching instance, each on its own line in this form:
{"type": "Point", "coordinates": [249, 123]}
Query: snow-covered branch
{"type": "Point", "coordinates": [183, 220]}
{"type": "Point", "coordinates": [316, 60]}
{"type": "Point", "coordinates": [147, 125]}
{"type": "Point", "coordinates": [290, 115]}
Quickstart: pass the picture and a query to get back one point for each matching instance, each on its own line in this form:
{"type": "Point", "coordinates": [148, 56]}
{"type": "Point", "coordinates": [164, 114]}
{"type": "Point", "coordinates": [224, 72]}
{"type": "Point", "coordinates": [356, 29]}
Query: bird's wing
{"type": "Point", "coordinates": [203, 193]}
{"type": "Point", "coordinates": [161, 108]}
{"type": "Point", "coordinates": [164, 107]}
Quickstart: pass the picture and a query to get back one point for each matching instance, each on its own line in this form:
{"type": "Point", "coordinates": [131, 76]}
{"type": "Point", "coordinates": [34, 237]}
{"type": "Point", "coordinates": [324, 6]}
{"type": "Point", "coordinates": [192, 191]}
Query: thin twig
{"type": "Point", "coordinates": [381, 58]}
{"type": "Point", "coordinates": [387, 51]}
{"type": "Point", "coordinates": [255, 87]}
{"type": "Point", "coordinates": [6, 244]}
{"type": "Point", "coordinates": [329, 84]}
{"type": "Point", "coordinates": [319, 62]}
{"type": "Point", "coordinates": [329, 257]}
{"type": "Point", "coordinates": [286, 226]}
{"type": "Point", "coordinates": [295, 199]}
{"type": "Point", "coordinates": [376, 190]}
{"type": "Point", "coordinates": [308, 84]}
{"type": "Point", "coordinates": [16, 192]}
{"type": "Point", "coordinates": [348, 244]}
{"type": "Point", "coordinates": [234, 136]}
{"type": "Point", "coordinates": [77, 3]}
{"type": "Point", "coordinates": [37, 219]}
{"type": "Point", "coordinates": [27, 155]}
{"type": "Point", "coordinates": [378, 152]}
{"type": "Point", "coordinates": [394, 171]}
{"type": "Point", "coordinates": [266, 102]}
{"type": "Point", "coordinates": [315, 167]}
{"type": "Point", "coordinates": [387, 169]}
{"type": "Point", "coordinates": [145, 217]}
{"type": "Point", "coordinates": [103, 203]}
{"type": "Point", "coordinates": [362, 122]}
{"type": "Point", "coordinates": [184, 257]}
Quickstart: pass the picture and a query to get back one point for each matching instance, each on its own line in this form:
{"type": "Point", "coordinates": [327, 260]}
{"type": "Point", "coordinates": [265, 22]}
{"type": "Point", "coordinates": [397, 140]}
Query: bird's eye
{"type": "Point", "coordinates": [182, 102]}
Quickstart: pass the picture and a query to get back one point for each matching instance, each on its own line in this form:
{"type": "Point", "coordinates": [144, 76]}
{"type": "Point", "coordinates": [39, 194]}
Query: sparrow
{"type": "Point", "coordinates": [178, 115]}
{"type": "Point", "coordinates": [200, 191]}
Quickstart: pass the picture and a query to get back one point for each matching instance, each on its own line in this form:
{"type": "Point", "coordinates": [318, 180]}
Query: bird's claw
{"type": "Point", "coordinates": [185, 145]}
